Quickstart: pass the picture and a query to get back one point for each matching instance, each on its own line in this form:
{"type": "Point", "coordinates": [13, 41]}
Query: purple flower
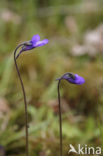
{"type": "Point", "coordinates": [34, 42]}
{"type": "Point", "coordinates": [73, 78]}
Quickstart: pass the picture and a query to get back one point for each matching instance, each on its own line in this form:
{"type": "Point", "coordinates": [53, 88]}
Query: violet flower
{"type": "Point", "coordinates": [74, 79]}
{"type": "Point", "coordinates": [28, 45]}
{"type": "Point", "coordinates": [33, 43]}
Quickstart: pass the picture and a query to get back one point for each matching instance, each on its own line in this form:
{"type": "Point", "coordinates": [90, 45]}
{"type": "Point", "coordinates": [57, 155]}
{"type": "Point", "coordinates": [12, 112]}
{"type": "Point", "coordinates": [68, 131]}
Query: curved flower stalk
{"type": "Point", "coordinates": [33, 43]}
{"type": "Point", "coordinates": [74, 79]}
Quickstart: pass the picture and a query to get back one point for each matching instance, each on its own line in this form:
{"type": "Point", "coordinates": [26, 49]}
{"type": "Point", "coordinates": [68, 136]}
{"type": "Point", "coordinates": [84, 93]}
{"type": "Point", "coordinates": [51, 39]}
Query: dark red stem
{"type": "Point", "coordinates": [60, 118]}
{"type": "Point", "coordinates": [24, 95]}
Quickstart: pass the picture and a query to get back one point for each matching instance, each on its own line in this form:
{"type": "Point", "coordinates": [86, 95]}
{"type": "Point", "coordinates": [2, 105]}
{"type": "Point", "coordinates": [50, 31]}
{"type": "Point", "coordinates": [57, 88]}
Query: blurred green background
{"type": "Point", "coordinates": [75, 32]}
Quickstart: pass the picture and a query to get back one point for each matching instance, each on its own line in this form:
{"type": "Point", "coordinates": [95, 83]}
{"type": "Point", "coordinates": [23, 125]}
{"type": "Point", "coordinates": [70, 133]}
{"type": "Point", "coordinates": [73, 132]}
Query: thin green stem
{"type": "Point", "coordinates": [24, 95]}
{"type": "Point", "coordinates": [60, 118]}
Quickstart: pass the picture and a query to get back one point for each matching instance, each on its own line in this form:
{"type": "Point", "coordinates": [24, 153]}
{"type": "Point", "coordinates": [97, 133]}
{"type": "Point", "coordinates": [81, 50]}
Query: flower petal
{"type": "Point", "coordinates": [40, 43]}
{"type": "Point", "coordinates": [78, 80]}
{"type": "Point", "coordinates": [35, 38]}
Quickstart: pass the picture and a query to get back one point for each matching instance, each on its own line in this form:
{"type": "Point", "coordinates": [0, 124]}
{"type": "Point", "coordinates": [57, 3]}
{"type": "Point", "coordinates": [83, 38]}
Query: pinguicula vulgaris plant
{"type": "Point", "coordinates": [25, 46]}
{"type": "Point", "coordinates": [74, 79]}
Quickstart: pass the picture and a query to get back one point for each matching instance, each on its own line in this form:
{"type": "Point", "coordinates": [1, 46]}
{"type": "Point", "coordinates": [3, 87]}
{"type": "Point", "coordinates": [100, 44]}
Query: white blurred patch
{"type": "Point", "coordinates": [92, 43]}
{"type": "Point", "coordinates": [9, 16]}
